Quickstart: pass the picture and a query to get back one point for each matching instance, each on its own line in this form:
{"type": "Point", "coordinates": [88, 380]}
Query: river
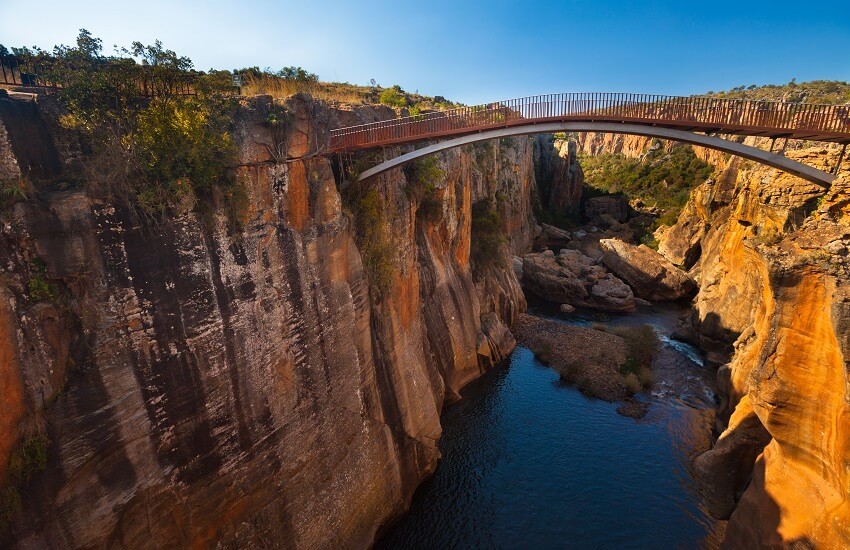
{"type": "Point", "coordinates": [528, 462]}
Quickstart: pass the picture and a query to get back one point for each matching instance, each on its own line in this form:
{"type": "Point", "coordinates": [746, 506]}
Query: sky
{"type": "Point", "coordinates": [474, 52]}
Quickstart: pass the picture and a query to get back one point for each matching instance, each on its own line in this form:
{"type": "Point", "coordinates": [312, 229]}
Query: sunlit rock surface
{"type": "Point", "coordinates": [207, 387]}
{"type": "Point", "coordinates": [770, 252]}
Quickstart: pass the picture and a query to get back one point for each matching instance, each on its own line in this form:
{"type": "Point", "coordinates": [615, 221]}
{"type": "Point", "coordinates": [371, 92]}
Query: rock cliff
{"type": "Point", "coordinates": [770, 253]}
{"type": "Point", "coordinates": [198, 384]}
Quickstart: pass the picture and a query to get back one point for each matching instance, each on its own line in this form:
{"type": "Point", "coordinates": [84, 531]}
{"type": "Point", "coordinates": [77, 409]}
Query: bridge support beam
{"type": "Point", "coordinates": [774, 160]}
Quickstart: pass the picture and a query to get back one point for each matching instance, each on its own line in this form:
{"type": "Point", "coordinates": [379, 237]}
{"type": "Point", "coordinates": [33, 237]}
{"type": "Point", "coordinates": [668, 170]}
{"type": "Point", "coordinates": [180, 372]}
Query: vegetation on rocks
{"type": "Point", "coordinates": [643, 346]}
{"type": "Point", "coordinates": [422, 178]}
{"type": "Point", "coordinates": [660, 178]}
{"type": "Point", "coordinates": [12, 191]}
{"type": "Point", "coordinates": [152, 144]}
{"type": "Point", "coordinates": [487, 236]}
{"type": "Point", "coordinates": [28, 459]}
{"type": "Point", "coordinates": [815, 91]}
{"type": "Point", "coordinates": [372, 235]}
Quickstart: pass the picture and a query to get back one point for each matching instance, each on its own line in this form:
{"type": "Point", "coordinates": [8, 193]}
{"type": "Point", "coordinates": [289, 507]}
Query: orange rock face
{"type": "Point", "coordinates": [774, 279]}
{"type": "Point", "coordinates": [11, 388]}
{"type": "Point", "coordinates": [204, 388]}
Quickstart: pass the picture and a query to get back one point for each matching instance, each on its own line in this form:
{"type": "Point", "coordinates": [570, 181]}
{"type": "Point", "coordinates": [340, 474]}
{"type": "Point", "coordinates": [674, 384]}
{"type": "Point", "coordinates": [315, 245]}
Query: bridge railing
{"type": "Point", "coordinates": [733, 116]}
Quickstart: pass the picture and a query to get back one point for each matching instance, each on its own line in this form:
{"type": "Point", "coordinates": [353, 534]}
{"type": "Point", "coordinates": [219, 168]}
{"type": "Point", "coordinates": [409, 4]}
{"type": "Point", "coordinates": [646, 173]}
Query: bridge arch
{"type": "Point", "coordinates": [774, 160]}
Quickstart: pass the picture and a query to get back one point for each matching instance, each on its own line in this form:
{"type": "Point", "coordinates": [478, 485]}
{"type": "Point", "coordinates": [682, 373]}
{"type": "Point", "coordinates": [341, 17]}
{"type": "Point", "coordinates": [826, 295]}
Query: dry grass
{"type": "Point", "coordinates": [332, 92]}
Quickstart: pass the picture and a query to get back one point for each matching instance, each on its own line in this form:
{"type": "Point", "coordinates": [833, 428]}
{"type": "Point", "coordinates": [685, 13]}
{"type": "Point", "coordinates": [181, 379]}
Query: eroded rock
{"type": "Point", "coordinates": [650, 274]}
{"type": "Point", "coordinates": [575, 279]}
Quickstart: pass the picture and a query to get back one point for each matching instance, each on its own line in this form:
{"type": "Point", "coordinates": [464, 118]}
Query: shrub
{"type": "Point", "coordinates": [29, 459]}
{"type": "Point", "coordinates": [543, 352]}
{"type": "Point", "coordinates": [39, 288]}
{"type": "Point", "coordinates": [631, 383]}
{"type": "Point", "coordinates": [12, 191]}
{"type": "Point", "coordinates": [486, 235]}
{"type": "Point", "coordinates": [167, 145]}
{"type": "Point", "coordinates": [588, 388]}
{"type": "Point", "coordinates": [394, 97]}
{"type": "Point", "coordinates": [183, 147]}
{"type": "Point", "coordinates": [569, 371]}
{"type": "Point", "coordinates": [643, 343]}
{"type": "Point", "coordinates": [10, 504]}
{"type": "Point", "coordinates": [643, 346]}
{"type": "Point", "coordinates": [430, 208]}
{"type": "Point", "coordinates": [649, 240]}
{"type": "Point", "coordinates": [372, 236]}
{"type": "Point", "coordinates": [422, 177]}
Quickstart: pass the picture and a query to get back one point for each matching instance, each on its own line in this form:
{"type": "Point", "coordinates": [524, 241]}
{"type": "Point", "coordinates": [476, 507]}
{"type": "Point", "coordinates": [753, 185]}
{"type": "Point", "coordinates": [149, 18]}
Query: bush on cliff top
{"type": "Point", "coordinates": [167, 143]}
{"type": "Point", "coordinates": [394, 97]}
{"type": "Point", "coordinates": [831, 92]}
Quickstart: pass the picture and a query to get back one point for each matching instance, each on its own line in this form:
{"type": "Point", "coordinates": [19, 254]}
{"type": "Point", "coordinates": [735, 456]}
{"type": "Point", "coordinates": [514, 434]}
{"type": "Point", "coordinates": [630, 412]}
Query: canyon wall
{"type": "Point", "coordinates": [196, 383]}
{"type": "Point", "coordinates": [771, 254]}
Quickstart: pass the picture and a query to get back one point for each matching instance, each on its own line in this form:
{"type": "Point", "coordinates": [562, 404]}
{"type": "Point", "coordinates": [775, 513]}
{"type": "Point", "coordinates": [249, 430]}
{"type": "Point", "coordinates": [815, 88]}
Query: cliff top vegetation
{"type": "Point", "coordinates": [155, 138]}
{"type": "Point", "coordinates": [815, 91]}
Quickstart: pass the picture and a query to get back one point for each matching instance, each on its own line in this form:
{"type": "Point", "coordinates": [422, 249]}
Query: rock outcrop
{"type": "Point", "coordinates": [614, 208]}
{"type": "Point", "coordinates": [770, 253]}
{"type": "Point", "coordinates": [651, 276]}
{"type": "Point", "coordinates": [558, 174]}
{"type": "Point", "coordinates": [575, 279]}
{"type": "Point", "coordinates": [202, 386]}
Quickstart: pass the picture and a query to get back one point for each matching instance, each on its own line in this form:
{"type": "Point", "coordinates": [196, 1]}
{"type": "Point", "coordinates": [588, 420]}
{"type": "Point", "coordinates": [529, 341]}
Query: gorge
{"type": "Point", "coordinates": [276, 377]}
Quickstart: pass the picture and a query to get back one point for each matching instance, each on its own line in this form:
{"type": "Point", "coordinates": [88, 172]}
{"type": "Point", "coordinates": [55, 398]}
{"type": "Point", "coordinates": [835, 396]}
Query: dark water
{"type": "Point", "coordinates": [530, 463]}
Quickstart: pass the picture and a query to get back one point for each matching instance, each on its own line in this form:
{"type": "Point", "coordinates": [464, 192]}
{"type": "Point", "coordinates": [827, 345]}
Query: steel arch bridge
{"type": "Point", "coordinates": [695, 120]}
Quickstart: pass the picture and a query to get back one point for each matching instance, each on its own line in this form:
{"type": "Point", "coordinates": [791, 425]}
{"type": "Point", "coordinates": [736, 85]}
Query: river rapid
{"type": "Point", "coordinates": [528, 462]}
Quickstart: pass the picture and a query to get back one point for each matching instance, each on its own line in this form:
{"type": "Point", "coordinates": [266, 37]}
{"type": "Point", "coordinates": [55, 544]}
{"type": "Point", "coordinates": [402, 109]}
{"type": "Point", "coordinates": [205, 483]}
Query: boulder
{"type": "Point", "coordinates": [575, 279]}
{"type": "Point", "coordinates": [552, 237]}
{"type": "Point", "coordinates": [651, 275]}
{"type": "Point", "coordinates": [615, 206]}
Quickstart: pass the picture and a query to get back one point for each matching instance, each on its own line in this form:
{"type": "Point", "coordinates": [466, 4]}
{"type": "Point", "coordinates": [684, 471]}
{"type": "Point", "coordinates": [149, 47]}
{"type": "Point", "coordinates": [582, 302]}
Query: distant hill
{"type": "Point", "coordinates": [815, 91]}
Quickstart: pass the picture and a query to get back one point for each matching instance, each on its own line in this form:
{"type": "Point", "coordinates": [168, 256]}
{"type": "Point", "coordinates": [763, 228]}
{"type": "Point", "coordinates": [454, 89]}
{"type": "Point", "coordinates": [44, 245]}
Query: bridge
{"type": "Point", "coordinates": [695, 120]}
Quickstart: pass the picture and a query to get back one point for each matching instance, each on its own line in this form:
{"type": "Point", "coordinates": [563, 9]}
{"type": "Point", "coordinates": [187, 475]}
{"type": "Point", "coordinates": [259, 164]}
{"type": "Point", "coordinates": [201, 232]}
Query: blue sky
{"type": "Point", "coordinates": [475, 51]}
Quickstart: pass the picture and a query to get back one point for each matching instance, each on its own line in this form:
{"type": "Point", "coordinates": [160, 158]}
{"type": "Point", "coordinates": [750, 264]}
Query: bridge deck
{"type": "Point", "coordinates": [697, 114]}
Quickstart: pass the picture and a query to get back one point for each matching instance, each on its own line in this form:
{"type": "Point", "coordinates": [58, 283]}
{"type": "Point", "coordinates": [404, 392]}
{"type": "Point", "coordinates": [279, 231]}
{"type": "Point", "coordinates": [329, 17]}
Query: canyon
{"type": "Point", "coordinates": [196, 383]}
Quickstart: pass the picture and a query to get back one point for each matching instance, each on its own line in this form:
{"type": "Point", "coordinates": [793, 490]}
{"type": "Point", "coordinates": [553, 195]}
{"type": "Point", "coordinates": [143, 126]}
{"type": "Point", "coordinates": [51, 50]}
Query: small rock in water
{"type": "Point", "coordinates": [567, 308]}
{"type": "Point", "coordinates": [633, 408]}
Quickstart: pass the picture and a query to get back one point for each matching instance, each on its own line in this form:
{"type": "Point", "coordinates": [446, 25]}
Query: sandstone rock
{"type": "Point", "coordinates": [567, 308]}
{"type": "Point", "coordinates": [724, 471]}
{"type": "Point", "coordinates": [650, 275]}
{"type": "Point", "coordinates": [616, 207]}
{"type": "Point", "coordinates": [208, 388]}
{"type": "Point", "coordinates": [554, 237]}
{"type": "Point", "coordinates": [769, 284]}
{"type": "Point", "coordinates": [558, 173]}
{"type": "Point", "coordinates": [516, 263]}
{"type": "Point", "coordinates": [573, 278]}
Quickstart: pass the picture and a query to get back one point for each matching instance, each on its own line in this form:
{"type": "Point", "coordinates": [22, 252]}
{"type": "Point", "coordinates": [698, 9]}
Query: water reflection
{"type": "Point", "coordinates": [528, 462]}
